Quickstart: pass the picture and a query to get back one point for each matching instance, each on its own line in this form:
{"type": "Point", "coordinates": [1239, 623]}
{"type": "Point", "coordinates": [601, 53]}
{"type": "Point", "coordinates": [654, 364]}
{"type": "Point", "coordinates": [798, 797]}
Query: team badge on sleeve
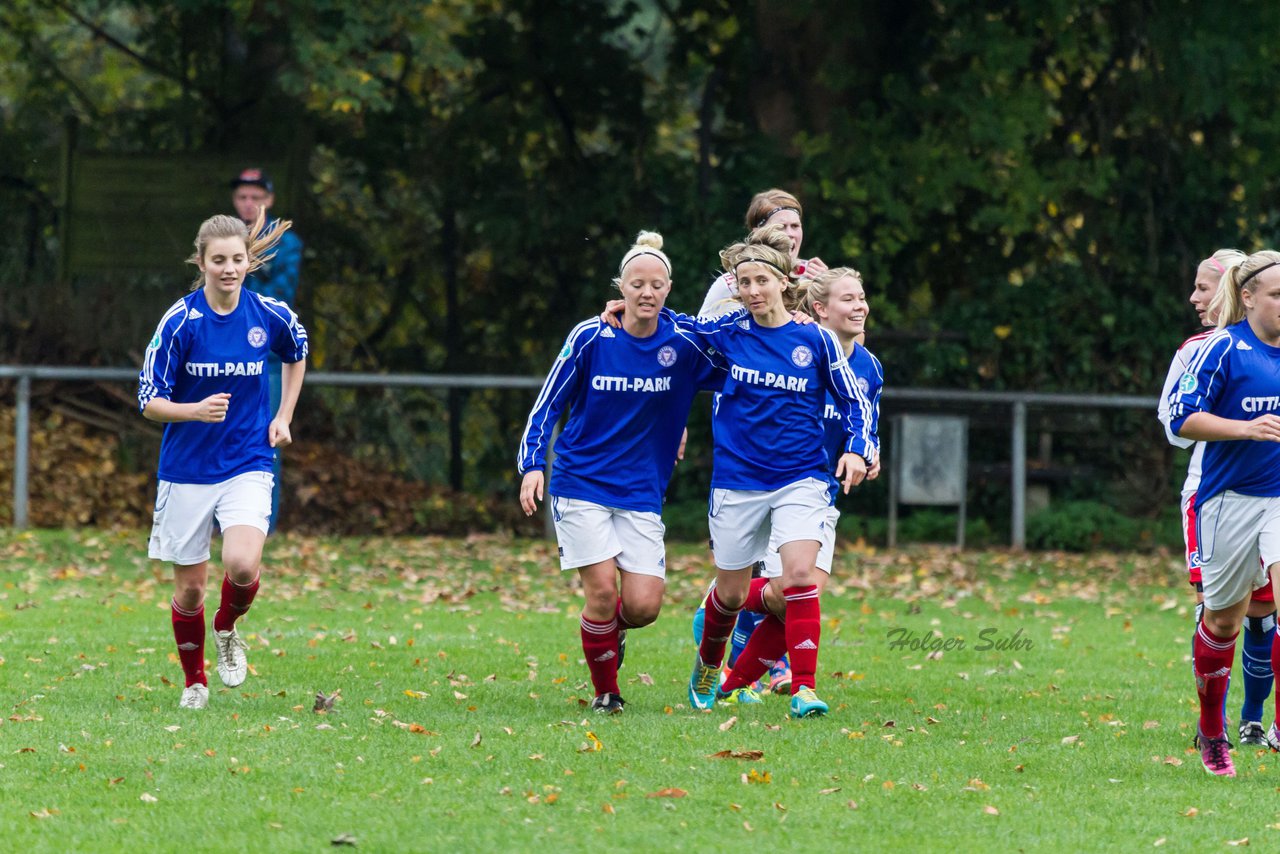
{"type": "Point", "coordinates": [1187, 384]}
{"type": "Point", "coordinates": [864, 386]}
{"type": "Point", "coordinates": [257, 336]}
{"type": "Point", "coordinates": [567, 351]}
{"type": "Point", "coordinates": [802, 357]}
{"type": "Point", "coordinates": [667, 357]}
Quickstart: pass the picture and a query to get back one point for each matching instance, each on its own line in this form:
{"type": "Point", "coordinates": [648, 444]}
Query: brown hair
{"type": "Point", "coordinates": [770, 246]}
{"type": "Point", "coordinates": [259, 241]}
{"type": "Point", "coordinates": [766, 204]}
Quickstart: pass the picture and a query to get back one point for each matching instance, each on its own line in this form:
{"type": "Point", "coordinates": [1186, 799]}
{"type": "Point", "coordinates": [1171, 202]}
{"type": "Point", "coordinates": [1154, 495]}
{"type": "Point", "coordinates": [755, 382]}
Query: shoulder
{"type": "Point", "coordinates": [175, 316]}
{"type": "Point", "coordinates": [582, 336]}
{"type": "Point", "coordinates": [272, 306]}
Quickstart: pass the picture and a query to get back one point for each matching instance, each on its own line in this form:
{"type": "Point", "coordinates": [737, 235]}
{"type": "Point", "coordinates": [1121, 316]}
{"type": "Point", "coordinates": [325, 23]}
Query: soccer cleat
{"type": "Point", "coordinates": [1251, 732]}
{"type": "Point", "coordinates": [698, 617]}
{"type": "Point", "coordinates": [1273, 738]}
{"type": "Point", "coordinates": [702, 684]}
{"type": "Point", "coordinates": [739, 697]}
{"type": "Point", "coordinates": [780, 677]}
{"type": "Point", "coordinates": [608, 704]}
{"type": "Point", "coordinates": [805, 704]}
{"type": "Point", "coordinates": [1215, 754]}
{"type": "Point", "coordinates": [233, 667]}
{"type": "Point", "coordinates": [622, 646]}
{"type": "Point", "coordinates": [194, 697]}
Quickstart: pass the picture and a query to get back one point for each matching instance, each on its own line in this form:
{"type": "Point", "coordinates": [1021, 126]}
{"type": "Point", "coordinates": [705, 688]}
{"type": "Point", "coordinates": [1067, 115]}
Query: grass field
{"type": "Point", "coordinates": [461, 721]}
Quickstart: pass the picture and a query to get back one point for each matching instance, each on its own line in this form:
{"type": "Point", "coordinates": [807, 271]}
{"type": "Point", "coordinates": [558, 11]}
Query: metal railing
{"type": "Point", "coordinates": [1019, 403]}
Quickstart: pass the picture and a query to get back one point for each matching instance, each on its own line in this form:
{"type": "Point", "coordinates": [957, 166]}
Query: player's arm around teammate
{"type": "Point", "coordinates": [1227, 399]}
{"type": "Point", "coordinates": [628, 391]}
{"type": "Point", "coordinates": [204, 377]}
{"type": "Point", "coordinates": [837, 299]}
{"type": "Point", "coordinates": [779, 375]}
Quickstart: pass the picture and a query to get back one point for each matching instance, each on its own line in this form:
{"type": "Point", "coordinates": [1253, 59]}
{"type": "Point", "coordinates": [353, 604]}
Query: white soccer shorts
{"type": "Point", "coordinates": [826, 552]}
{"type": "Point", "coordinates": [185, 512]}
{"type": "Point", "coordinates": [745, 524]}
{"type": "Point", "coordinates": [590, 533]}
{"type": "Point", "coordinates": [1233, 531]}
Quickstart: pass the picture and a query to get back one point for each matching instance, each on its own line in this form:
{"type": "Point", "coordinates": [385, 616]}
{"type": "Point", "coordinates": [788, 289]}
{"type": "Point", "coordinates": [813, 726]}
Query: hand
{"type": "Point", "coordinates": [684, 437]}
{"type": "Point", "coordinates": [851, 470]}
{"type": "Point", "coordinates": [213, 409]}
{"type": "Point", "coordinates": [530, 488]}
{"type": "Point", "coordinates": [1264, 428]}
{"type": "Point", "coordinates": [874, 471]}
{"type": "Point", "coordinates": [278, 433]}
{"type": "Point", "coordinates": [801, 318]}
{"type": "Point", "coordinates": [813, 267]}
{"type": "Point", "coordinates": [612, 309]}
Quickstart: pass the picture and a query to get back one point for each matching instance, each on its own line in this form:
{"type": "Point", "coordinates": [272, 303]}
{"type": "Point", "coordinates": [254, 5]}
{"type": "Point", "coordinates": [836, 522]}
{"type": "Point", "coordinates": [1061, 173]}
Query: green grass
{"type": "Point", "coordinates": [461, 722]}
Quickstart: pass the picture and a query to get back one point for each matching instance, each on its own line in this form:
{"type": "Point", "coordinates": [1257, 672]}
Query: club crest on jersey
{"type": "Point", "coordinates": [802, 357]}
{"type": "Point", "coordinates": [1187, 384]}
{"type": "Point", "coordinates": [667, 357]}
{"type": "Point", "coordinates": [864, 386]}
{"type": "Point", "coordinates": [155, 342]}
{"type": "Point", "coordinates": [257, 336]}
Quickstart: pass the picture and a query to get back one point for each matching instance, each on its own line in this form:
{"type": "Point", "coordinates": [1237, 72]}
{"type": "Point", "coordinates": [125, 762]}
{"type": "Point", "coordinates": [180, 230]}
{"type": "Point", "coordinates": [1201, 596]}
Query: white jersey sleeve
{"type": "Point", "coordinates": [1179, 366]}
{"type": "Point", "coordinates": [721, 298]}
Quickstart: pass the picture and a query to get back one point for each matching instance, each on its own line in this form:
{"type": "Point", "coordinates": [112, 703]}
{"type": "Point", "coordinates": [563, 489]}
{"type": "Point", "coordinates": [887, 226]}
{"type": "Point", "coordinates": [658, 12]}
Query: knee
{"type": "Point", "coordinates": [731, 599]}
{"type": "Point", "coordinates": [600, 605]}
{"type": "Point", "coordinates": [1220, 624]}
{"type": "Point", "coordinates": [241, 568]}
{"type": "Point", "coordinates": [641, 614]}
{"type": "Point", "coordinates": [188, 595]}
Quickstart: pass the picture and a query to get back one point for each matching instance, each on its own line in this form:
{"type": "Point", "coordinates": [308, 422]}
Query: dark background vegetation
{"type": "Point", "coordinates": [1025, 187]}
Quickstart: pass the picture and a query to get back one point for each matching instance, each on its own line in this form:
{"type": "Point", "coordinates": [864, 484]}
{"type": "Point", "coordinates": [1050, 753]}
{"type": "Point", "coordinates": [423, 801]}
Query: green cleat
{"type": "Point", "coordinates": [805, 704]}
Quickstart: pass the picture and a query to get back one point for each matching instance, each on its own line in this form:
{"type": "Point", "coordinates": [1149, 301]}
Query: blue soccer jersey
{"type": "Point", "coordinates": [869, 376]}
{"type": "Point", "coordinates": [769, 419]}
{"type": "Point", "coordinates": [196, 353]}
{"type": "Point", "coordinates": [628, 400]}
{"type": "Point", "coordinates": [1236, 376]}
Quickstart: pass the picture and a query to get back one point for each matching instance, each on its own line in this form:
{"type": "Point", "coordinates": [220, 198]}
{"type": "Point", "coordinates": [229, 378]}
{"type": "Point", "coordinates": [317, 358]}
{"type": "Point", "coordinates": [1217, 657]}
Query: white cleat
{"type": "Point", "coordinates": [194, 697]}
{"type": "Point", "coordinates": [233, 667]}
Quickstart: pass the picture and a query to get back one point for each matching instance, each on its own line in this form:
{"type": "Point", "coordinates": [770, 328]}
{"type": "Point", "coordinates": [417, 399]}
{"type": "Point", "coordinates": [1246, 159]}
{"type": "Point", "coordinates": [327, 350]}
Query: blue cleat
{"type": "Point", "coordinates": [805, 704]}
{"type": "Point", "coordinates": [702, 685]}
{"type": "Point", "coordinates": [698, 617]}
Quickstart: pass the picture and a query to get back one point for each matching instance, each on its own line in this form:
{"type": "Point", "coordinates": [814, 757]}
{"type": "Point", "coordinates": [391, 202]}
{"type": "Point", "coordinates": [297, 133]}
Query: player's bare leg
{"type": "Point", "coordinates": [242, 562]}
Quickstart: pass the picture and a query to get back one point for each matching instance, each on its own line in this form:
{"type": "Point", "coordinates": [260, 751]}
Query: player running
{"type": "Point", "coordinates": [837, 299]}
{"type": "Point", "coordinates": [1260, 619]}
{"type": "Point", "coordinates": [780, 372]}
{"type": "Point", "coordinates": [1227, 399]}
{"type": "Point", "coordinates": [204, 378]}
{"type": "Point", "coordinates": [629, 391]}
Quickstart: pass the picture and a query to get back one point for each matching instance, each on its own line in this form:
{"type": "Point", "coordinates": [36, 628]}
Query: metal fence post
{"type": "Point", "coordinates": [1018, 453]}
{"type": "Point", "coordinates": [21, 452]}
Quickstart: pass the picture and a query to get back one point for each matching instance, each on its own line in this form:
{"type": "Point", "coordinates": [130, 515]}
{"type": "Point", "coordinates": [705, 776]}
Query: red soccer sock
{"type": "Point", "coordinates": [188, 633]}
{"type": "Point", "coordinates": [768, 643]}
{"type": "Point", "coordinates": [1211, 659]}
{"type": "Point", "coordinates": [804, 633]}
{"type": "Point", "coordinates": [600, 646]}
{"type": "Point", "coordinates": [235, 602]}
{"type": "Point", "coordinates": [623, 623]}
{"type": "Point", "coordinates": [755, 596]}
{"type": "Point", "coordinates": [718, 620]}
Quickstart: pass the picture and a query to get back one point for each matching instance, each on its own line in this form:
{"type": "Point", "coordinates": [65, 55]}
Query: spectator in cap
{"type": "Point", "coordinates": [251, 191]}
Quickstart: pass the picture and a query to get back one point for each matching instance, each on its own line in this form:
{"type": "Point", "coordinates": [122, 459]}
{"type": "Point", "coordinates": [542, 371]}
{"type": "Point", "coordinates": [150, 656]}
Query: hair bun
{"type": "Point", "coordinates": [651, 239]}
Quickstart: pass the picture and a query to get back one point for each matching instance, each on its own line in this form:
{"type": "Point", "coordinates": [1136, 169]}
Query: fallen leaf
{"type": "Point", "coordinates": [669, 792]}
{"type": "Point", "coordinates": [1071, 739]}
{"type": "Point", "coordinates": [828, 791]}
{"type": "Point", "coordinates": [343, 839]}
{"type": "Point", "coordinates": [728, 725]}
{"type": "Point", "coordinates": [754, 776]}
{"type": "Point", "coordinates": [646, 679]}
{"type": "Point", "coordinates": [1238, 842]}
{"type": "Point", "coordinates": [475, 742]}
{"type": "Point", "coordinates": [147, 797]}
{"type": "Point", "coordinates": [324, 703]}
{"type": "Point", "coordinates": [990, 810]}
{"type": "Point", "coordinates": [750, 755]}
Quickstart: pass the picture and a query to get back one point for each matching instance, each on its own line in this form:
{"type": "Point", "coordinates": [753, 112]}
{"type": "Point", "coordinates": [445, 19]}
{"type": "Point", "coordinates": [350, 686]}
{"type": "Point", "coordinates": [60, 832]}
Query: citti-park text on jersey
{"type": "Point", "coordinates": [225, 369]}
{"type": "Point", "coordinates": [1260, 404]}
{"type": "Point", "coordinates": [770, 379]}
{"type": "Point", "coordinates": [631, 383]}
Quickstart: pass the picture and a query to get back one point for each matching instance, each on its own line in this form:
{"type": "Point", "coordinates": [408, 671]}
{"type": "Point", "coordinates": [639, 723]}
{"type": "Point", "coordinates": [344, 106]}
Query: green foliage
{"type": "Point", "coordinates": [1086, 526]}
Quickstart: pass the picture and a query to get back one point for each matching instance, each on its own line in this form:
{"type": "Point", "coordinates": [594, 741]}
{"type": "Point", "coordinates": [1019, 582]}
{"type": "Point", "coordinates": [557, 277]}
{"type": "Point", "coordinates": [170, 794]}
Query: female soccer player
{"type": "Point", "coordinates": [629, 391]}
{"type": "Point", "coordinates": [774, 398]}
{"type": "Point", "coordinates": [1227, 399]}
{"type": "Point", "coordinates": [776, 208]}
{"type": "Point", "coordinates": [204, 377]}
{"type": "Point", "coordinates": [1260, 619]}
{"type": "Point", "coordinates": [837, 299]}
